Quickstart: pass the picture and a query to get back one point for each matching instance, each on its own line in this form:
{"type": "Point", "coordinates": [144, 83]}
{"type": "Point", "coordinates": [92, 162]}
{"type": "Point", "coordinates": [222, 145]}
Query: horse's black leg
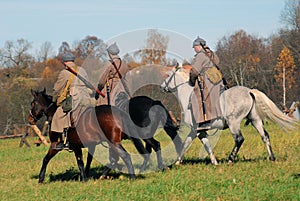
{"type": "Point", "coordinates": [238, 140]}
{"type": "Point", "coordinates": [141, 149]}
{"type": "Point", "coordinates": [258, 124]}
{"type": "Point", "coordinates": [156, 146]}
{"type": "Point", "coordinates": [51, 153]}
{"type": "Point", "coordinates": [91, 151]}
{"type": "Point", "coordinates": [171, 130]}
{"type": "Point", "coordinates": [118, 148]}
{"type": "Point", "coordinates": [202, 135]}
{"type": "Point", "coordinates": [78, 155]}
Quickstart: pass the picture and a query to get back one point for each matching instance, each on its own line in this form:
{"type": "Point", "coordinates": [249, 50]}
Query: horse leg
{"type": "Point", "coordinates": [113, 159]}
{"type": "Point", "coordinates": [141, 149]}
{"type": "Point", "coordinates": [186, 144]}
{"type": "Point", "coordinates": [171, 130]}
{"type": "Point", "coordinates": [265, 137]}
{"type": "Point", "coordinates": [80, 163]}
{"type": "Point", "coordinates": [238, 140]}
{"type": "Point", "coordinates": [91, 151]}
{"type": "Point", "coordinates": [202, 135]}
{"type": "Point", "coordinates": [151, 142]}
{"type": "Point", "coordinates": [51, 153]}
{"type": "Point", "coordinates": [120, 150]}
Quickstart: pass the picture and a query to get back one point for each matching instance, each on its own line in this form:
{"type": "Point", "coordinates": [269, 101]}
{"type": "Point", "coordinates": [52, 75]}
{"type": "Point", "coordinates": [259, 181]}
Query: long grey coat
{"type": "Point", "coordinates": [81, 98]}
{"type": "Point", "coordinates": [200, 64]}
{"type": "Point", "coordinates": [113, 78]}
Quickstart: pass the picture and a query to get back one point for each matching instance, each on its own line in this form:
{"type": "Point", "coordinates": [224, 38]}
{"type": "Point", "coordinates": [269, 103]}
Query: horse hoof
{"type": "Point", "coordinates": [230, 162]}
{"type": "Point", "coordinates": [178, 162]}
{"type": "Point", "coordinates": [132, 177]}
{"type": "Point", "coordinates": [215, 163]}
{"type": "Point", "coordinates": [272, 158]}
{"type": "Point", "coordinates": [102, 177]}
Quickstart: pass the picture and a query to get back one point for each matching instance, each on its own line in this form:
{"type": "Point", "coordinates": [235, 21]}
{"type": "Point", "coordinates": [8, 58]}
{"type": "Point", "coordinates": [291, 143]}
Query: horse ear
{"type": "Point", "coordinates": [32, 92]}
{"type": "Point", "coordinates": [44, 91]}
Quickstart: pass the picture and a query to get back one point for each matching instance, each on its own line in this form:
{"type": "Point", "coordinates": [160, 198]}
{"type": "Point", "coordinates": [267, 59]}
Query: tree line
{"type": "Point", "coordinates": [270, 64]}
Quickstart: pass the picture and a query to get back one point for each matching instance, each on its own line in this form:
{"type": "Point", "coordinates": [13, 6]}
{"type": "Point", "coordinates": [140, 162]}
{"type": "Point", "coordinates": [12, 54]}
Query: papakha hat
{"type": "Point", "coordinates": [113, 49]}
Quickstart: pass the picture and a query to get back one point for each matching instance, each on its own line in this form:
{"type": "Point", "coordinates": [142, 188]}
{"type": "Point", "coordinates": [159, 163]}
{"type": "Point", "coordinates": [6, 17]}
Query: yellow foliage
{"type": "Point", "coordinates": [285, 62]}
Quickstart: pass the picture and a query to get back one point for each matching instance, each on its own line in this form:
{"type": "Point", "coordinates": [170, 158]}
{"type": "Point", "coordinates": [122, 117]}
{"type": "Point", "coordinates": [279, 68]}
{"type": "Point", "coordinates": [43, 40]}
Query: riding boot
{"type": "Point", "coordinates": [60, 144]}
{"type": "Point", "coordinates": [65, 139]}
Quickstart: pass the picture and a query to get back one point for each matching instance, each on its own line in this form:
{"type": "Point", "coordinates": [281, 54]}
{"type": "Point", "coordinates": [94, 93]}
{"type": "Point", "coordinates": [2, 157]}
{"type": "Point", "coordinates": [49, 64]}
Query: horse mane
{"type": "Point", "coordinates": [184, 74]}
{"type": "Point", "coordinates": [44, 94]}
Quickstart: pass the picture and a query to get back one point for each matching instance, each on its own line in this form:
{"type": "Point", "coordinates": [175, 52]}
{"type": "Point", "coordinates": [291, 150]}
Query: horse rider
{"type": "Point", "coordinates": [208, 85]}
{"type": "Point", "coordinates": [70, 91]}
{"type": "Point", "coordinates": [114, 72]}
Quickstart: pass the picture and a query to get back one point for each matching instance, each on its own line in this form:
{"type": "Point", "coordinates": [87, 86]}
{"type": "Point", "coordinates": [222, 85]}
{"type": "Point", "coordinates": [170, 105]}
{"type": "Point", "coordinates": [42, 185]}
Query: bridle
{"type": "Point", "coordinates": [40, 114]}
{"type": "Point", "coordinates": [167, 88]}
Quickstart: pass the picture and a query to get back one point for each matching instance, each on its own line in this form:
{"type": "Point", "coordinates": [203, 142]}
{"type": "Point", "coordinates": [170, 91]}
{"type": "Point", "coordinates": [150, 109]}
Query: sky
{"type": "Point", "coordinates": [56, 21]}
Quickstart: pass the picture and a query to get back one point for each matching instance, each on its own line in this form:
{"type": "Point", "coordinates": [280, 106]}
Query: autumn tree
{"type": "Point", "coordinates": [64, 47]}
{"type": "Point", "coordinates": [241, 57]}
{"type": "Point", "coordinates": [45, 51]}
{"type": "Point", "coordinates": [155, 50]}
{"type": "Point", "coordinates": [290, 36]}
{"type": "Point", "coordinates": [91, 45]}
{"type": "Point", "coordinates": [16, 54]}
{"type": "Point", "coordinates": [284, 71]}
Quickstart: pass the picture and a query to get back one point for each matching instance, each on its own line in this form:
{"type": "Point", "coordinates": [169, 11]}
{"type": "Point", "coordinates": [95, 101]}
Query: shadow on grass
{"type": "Point", "coordinates": [73, 174]}
{"type": "Point", "coordinates": [207, 160]}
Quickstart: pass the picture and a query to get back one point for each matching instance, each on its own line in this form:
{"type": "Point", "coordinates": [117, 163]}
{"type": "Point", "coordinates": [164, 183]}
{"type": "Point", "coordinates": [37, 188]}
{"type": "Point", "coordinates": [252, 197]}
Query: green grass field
{"type": "Point", "coordinates": [252, 177]}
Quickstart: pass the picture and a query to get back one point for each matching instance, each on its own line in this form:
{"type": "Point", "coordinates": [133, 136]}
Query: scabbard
{"type": "Point", "coordinates": [200, 83]}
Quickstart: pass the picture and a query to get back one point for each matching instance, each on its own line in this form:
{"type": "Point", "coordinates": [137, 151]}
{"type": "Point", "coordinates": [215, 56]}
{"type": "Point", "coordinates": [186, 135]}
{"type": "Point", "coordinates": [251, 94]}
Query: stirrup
{"type": "Point", "coordinates": [58, 146]}
{"type": "Point", "coordinates": [204, 127]}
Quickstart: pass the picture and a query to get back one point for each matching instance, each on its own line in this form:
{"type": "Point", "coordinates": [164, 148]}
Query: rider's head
{"type": "Point", "coordinates": [199, 41]}
{"type": "Point", "coordinates": [198, 44]}
{"type": "Point", "coordinates": [113, 49]}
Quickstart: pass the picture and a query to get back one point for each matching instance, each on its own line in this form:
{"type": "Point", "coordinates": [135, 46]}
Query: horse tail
{"type": "Point", "coordinates": [266, 109]}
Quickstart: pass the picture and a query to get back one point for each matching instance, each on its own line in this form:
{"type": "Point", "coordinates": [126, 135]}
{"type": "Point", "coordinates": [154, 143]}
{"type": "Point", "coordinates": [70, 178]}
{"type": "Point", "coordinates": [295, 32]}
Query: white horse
{"type": "Point", "coordinates": [237, 103]}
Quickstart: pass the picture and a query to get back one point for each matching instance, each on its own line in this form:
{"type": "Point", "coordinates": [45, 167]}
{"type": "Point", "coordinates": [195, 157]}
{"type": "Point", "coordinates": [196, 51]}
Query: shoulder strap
{"type": "Point", "coordinates": [115, 66]}
{"type": "Point", "coordinates": [65, 92]}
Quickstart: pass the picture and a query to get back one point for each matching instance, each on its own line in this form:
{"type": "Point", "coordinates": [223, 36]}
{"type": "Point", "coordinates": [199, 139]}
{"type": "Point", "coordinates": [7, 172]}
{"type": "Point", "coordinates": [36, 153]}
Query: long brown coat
{"type": "Point", "coordinates": [110, 74]}
{"type": "Point", "coordinates": [200, 64]}
{"type": "Point", "coordinates": [81, 98]}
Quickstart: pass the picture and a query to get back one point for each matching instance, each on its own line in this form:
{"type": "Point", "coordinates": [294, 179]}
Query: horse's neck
{"type": "Point", "coordinates": [49, 109]}
{"type": "Point", "coordinates": [184, 93]}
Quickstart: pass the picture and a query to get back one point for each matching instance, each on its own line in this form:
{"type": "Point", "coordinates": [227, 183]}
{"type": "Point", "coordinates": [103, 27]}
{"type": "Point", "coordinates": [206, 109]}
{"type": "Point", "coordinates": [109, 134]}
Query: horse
{"type": "Point", "coordinates": [111, 125]}
{"type": "Point", "coordinates": [146, 114]}
{"type": "Point", "coordinates": [237, 103]}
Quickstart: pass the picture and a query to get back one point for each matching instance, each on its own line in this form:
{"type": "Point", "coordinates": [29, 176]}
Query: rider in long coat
{"type": "Point", "coordinates": [203, 61]}
{"type": "Point", "coordinates": [110, 78]}
{"type": "Point", "coordinates": [81, 98]}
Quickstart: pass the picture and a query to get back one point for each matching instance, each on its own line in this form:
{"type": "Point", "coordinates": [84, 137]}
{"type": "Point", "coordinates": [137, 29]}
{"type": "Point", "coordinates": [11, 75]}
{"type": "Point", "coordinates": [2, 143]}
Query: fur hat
{"type": "Point", "coordinates": [68, 56]}
{"type": "Point", "coordinates": [199, 41]}
{"type": "Point", "coordinates": [113, 49]}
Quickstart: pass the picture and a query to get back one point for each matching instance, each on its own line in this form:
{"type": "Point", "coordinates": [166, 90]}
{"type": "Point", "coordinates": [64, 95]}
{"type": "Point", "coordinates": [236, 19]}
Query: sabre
{"type": "Point", "coordinates": [87, 83]}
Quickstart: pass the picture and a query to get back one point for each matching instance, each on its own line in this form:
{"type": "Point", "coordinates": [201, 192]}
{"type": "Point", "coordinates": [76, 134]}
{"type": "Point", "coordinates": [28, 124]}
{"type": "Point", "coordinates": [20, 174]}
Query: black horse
{"type": "Point", "coordinates": [113, 124]}
{"type": "Point", "coordinates": [146, 115]}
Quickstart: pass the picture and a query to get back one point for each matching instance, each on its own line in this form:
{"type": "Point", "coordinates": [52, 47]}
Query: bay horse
{"type": "Point", "coordinates": [111, 125]}
{"type": "Point", "coordinates": [237, 103]}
